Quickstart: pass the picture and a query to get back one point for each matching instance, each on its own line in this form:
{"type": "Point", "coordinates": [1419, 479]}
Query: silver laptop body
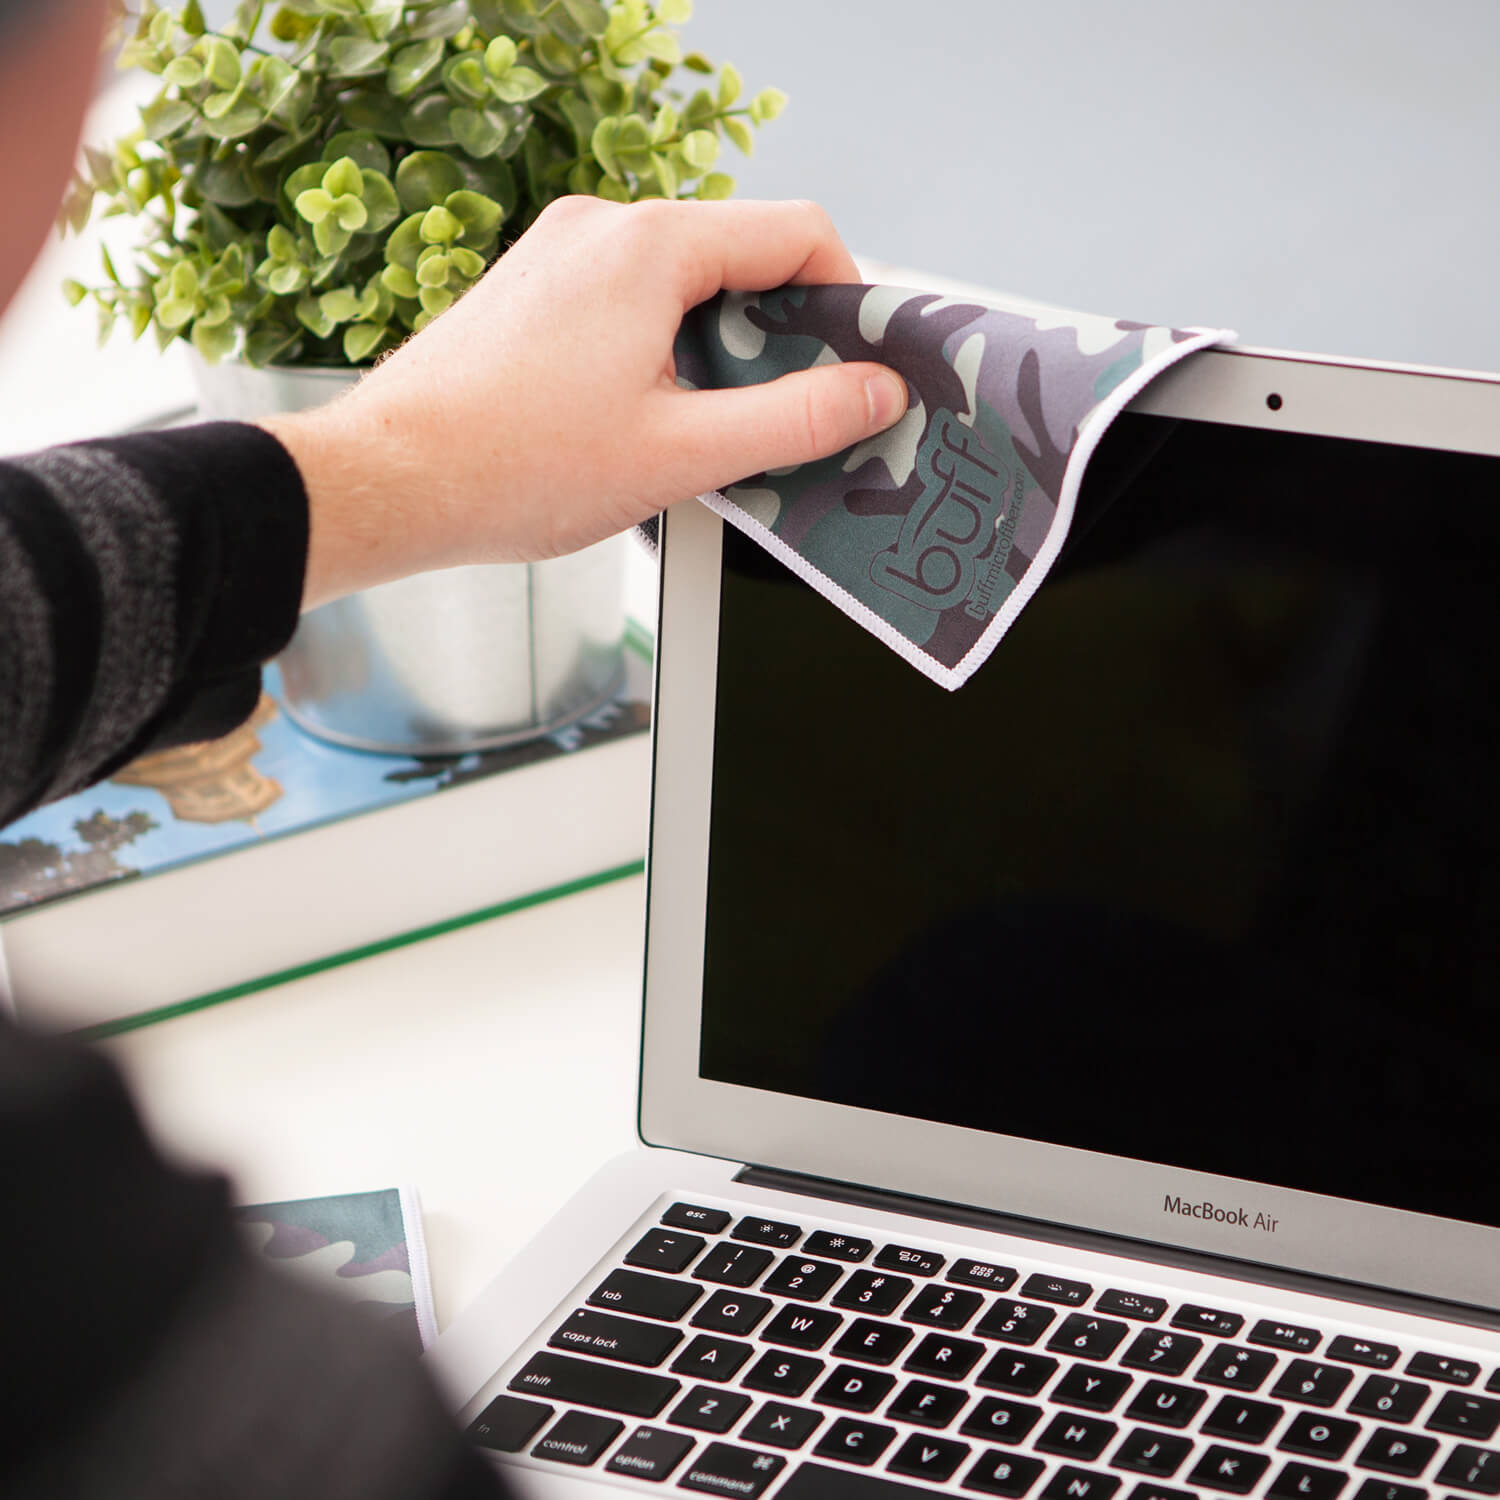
{"type": "Point", "coordinates": [1082, 1086]}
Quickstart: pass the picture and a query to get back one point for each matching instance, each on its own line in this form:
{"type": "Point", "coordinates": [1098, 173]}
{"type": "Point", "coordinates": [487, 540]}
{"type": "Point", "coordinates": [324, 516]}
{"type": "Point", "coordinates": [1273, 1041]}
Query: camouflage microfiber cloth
{"type": "Point", "coordinates": [935, 534]}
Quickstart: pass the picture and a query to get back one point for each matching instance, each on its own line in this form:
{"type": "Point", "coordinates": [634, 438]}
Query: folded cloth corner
{"type": "Point", "coordinates": [935, 534]}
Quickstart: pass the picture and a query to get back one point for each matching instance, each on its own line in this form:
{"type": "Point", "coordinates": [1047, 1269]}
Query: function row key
{"type": "Point", "coordinates": [1224, 1325]}
{"type": "Point", "coordinates": [1363, 1352]}
{"type": "Point", "coordinates": [912, 1261]}
{"type": "Point", "coordinates": [1135, 1305]}
{"type": "Point", "coordinates": [693, 1216]}
{"type": "Point", "coordinates": [837, 1246]}
{"type": "Point", "coordinates": [1057, 1289]}
{"type": "Point", "coordinates": [983, 1273]}
{"type": "Point", "coordinates": [1442, 1367]}
{"type": "Point", "coordinates": [1285, 1336]}
{"type": "Point", "coordinates": [767, 1232]}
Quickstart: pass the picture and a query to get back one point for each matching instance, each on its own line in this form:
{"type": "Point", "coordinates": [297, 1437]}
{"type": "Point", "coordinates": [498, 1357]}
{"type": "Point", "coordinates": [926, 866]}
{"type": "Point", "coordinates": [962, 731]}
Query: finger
{"type": "Point", "coordinates": [748, 246]}
{"type": "Point", "coordinates": [718, 437]}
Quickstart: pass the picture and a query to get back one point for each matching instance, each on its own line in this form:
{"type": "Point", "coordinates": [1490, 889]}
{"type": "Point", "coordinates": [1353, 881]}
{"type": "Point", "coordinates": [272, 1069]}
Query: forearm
{"type": "Point", "coordinates": [144, 581]}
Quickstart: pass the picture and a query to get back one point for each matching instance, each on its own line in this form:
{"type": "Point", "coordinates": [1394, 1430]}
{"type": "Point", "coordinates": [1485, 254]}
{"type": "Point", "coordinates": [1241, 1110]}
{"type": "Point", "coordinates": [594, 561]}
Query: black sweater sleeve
{"type": "Point", "coordinates": [143, 581]}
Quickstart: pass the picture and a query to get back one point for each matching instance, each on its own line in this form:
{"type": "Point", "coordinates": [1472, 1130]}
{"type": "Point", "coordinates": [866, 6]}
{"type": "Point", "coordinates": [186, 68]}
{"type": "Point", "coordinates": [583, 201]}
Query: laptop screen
{"type": "Point", "coordinates": [1200, 868]}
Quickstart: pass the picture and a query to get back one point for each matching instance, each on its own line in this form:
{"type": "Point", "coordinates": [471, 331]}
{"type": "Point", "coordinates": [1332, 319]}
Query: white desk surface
{"type": "Point", "coordinates": [494, 1068]}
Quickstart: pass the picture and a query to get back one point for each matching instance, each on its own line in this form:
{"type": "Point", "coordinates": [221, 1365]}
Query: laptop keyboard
{"type": "Point", "coordinates": [734, 1356]}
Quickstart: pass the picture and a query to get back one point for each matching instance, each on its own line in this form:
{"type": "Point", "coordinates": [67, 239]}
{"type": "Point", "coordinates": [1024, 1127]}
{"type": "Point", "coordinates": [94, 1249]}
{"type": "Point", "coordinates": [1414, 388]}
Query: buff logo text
{"type": "Point", "coordinates": [957, 521]}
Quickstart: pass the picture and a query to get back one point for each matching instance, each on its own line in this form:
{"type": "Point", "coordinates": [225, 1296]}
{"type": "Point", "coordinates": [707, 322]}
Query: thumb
{"type": "Point", "coordinates": [721, 436]}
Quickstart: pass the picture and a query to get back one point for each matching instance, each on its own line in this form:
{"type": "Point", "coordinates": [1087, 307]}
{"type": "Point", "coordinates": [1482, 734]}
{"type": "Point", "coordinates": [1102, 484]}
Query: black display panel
{"type": "Point", "coordinates": [1200, 868]}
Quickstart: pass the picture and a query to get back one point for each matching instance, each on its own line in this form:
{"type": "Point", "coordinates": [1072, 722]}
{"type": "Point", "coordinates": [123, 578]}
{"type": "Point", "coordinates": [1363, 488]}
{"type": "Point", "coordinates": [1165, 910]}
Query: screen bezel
{"type": "Point", "coordinates": [1354, 1241]}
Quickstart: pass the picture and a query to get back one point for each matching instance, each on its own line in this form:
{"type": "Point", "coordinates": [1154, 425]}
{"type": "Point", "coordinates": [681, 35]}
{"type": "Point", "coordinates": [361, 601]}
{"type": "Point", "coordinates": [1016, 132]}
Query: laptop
{"type": "Point", "coordinates": [1084, 1085]}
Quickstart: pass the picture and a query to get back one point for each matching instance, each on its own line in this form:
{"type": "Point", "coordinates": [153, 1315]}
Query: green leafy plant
{"type": "Point", "coordinates": [320, 178]}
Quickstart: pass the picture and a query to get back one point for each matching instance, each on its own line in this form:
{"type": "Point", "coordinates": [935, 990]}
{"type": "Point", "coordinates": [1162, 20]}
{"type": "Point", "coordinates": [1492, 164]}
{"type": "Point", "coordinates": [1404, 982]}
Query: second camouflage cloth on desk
{"type": "Point", "coordinates": [935, 534]}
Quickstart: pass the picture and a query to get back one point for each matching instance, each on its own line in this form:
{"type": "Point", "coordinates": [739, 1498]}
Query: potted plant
{"type": "Point", "coordinates": [316, 180]}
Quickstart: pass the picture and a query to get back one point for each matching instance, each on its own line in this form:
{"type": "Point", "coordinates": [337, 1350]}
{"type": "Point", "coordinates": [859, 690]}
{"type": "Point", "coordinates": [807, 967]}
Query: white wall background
{"type": "Point", "coordinates": [1320, 174]}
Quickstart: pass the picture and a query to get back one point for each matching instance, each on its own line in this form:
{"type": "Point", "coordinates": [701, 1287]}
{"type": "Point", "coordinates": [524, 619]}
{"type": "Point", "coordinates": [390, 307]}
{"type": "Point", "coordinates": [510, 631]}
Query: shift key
{"type": "Point", "coordinates": [607, 1337]}
{"type": "Point", "coordinates": [563, 1378]}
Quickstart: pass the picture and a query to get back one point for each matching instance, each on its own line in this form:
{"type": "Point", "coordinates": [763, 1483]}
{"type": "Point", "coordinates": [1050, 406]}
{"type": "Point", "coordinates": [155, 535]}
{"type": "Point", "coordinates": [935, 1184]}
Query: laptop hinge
{"type": "Point", "coordinates": [1118, 1245]}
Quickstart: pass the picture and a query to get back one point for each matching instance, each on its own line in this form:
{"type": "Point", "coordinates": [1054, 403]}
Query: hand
{"type": "Point", "coordinates": [541, 414]}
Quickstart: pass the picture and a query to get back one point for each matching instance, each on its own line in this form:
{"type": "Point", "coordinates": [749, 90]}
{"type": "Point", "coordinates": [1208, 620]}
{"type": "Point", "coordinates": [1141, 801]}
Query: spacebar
{"type": "Point", "coordinates": [563, 1378]}
{"type": "Point", "coordinates": [814, 1482]}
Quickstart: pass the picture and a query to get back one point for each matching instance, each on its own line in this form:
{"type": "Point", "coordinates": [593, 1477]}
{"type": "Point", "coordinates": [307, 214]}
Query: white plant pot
{"type": "Point", "coordinates": [463, 659]}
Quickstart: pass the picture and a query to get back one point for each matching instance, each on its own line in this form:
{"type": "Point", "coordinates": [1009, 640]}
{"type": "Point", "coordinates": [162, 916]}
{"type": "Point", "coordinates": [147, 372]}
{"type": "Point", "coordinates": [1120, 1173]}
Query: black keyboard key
{"type": "Point", "coordinates": [1229, 1364]}
{"type": "Point", "coordinates": [998, 1472]}
{"type": "Point", "coordinates": [645, 1296]}
{"type": "Point", "coordinates": [1443, 1367]}
{"type": "Point", "coordinates": [722, 1469]}
{"type": "Point", "coordinates": [1078, 1437]}
{"type": "Point", "coordinates": [931, 1458]}
{"type": "Point", "coordinates": [1388, 1489]}
{"type": "Point", "coordinates": [983, 1273]}
{"type": "Point", "coordinates": [664, 1250]}
{"type": "Point", "coordinates": [1242, 1420]}
{"type": "Point", "coordinates": [1080, 1484]}
{"type": "Point", "coordinates": [813, 1481]}
{"type": "Point", "coordinates": [691, 1216]}
{"type": "Point", "coordinates": [708, 1409]}
{"type": "Point", "coordinates": [1057, 1289]}
{"type": "Point", "coordinates": [801, 1327]}
{"type": "Point", "coordinates": [1136, 1305]}
{"type": "Point", "coordinates": [1163, 1352]}
{"type": "Point", "coordinates": [606, 1336]}
{"type": "Point", "coordinates": [1363, 1352]}
{"type": "Point", "coordinates": [733, 1265]}
{"type": "Point", "coordinates": [837, 1246]}
{"type": "Point", "coordinates": [873, 1292]}
{"type": "Point", "coordinates": [1474, 1469]}
{"type": "Point", "coordinates": [578, 1437]}
{"type": "Point", "coordinates": [1395, 1452]}
{"type": "Point", "coordinates": [1001, 1421]}
{"type": "Point", "coordinates": [1092, 1389]}
{"type": "Point", "coordinates": [1166, 1403]}
{"type": "Point", "coordinates": [1493, 1383]}
{"type": "Point", "coordinates": [943, 1307]}
{"type": "Point", "coordinates": [586, 1382]}
{"type": "Point", "coordinates": [1222, 1325]}
{"type": "Point", "coordinates": [940, 1355]}
{"type": "Point", "coordinates": [926, 1404]}
{"type": "Point", "coordinates": [767, 1232]}
{"type": "Point", "coordinates": [1306, 1482]}
{"type": "Point", "coordinates": [711, 1358]}
{"type": "Point", "coordinates": [1015, 1322]}
{"type": "Point", "coordinates": [855, 1388]}
{"type": "Point", "coordinates": [730, 1312]}
{"type": "Point", "coordinates": [650, 1453]}
{"type": "Point", "coordinates": [1086, 1337]}
{"type": "Point", "coordinates": [912, 1261]}
{"type": "Point", "coordinates": [1474, 1417]}
{"type": "Point", "coordinates": [1312, 1384]}
{"type": "Point", "coordinates": [1388, 1399]}
{"type": "Point", "coordinates": [508, 1423]}
{"type": "Point", "coordinates": [875, 1343]}
{"type": "Point", "coordinates": [1023, 1374]}
{"type": "Point", "coordinates": [782, 1426]}
{"type": "Point", "coordinates": [1291, 1336]}
{"type": "Point", "coordinates": [1148, 1491]}
{"type": "Point", "coordinates": [1230, 1469]}
{"type": "Point", "coordinates": [782, 1374]}
{"type": "Point", "coordinates": [1147, 1452]}
{"type": "Point", "coordinates": [855, 1442]}
{"type": "Point", "coordinates": [806, 1280]}
{"type": "Point", "coordinates": [1316, 1436]}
